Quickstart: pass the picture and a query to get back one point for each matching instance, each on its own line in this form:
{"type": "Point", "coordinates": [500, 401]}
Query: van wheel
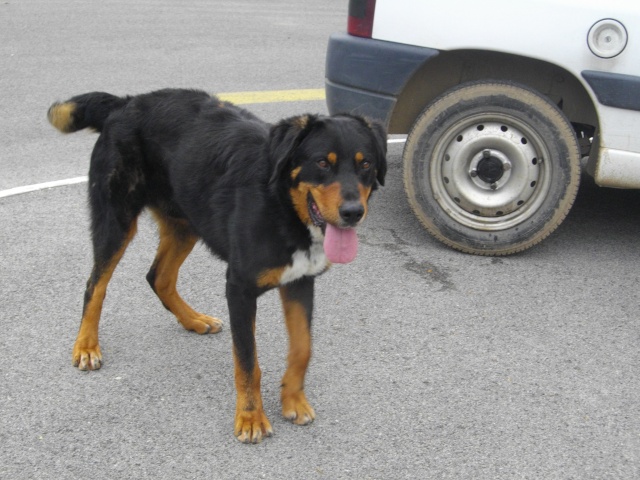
{"type": "Point", "coordinates": [491, 168]}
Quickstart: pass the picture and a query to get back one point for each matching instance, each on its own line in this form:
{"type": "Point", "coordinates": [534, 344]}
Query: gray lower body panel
{"type": "Point", "coordinates": [365, 76]}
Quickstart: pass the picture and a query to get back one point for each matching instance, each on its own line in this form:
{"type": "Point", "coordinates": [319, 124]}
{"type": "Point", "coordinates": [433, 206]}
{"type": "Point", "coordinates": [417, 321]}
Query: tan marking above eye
{"type": "Point", "coordinates": [332, 157]}
{"type": "Point", "coordinates": [359, 157]}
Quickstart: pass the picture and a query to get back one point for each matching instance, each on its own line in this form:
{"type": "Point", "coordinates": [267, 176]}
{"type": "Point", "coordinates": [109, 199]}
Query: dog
{"type": "Point", "coordinates": [279, 203]}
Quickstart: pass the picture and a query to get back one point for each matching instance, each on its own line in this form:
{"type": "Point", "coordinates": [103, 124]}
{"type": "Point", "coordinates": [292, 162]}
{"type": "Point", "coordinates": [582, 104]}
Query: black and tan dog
{"type": "Point", "coordinates": [278, 203]}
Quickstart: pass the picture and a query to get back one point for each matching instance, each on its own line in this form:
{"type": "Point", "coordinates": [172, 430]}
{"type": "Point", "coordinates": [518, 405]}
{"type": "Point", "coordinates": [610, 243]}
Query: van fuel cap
{"type": "Point", "coordinates": [607, 38]}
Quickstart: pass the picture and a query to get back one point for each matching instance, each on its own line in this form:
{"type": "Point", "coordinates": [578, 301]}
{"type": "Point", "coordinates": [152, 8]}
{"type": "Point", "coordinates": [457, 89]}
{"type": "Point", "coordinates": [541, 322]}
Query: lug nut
{"type": "Point", "coordinates": [493, 186]}
{"type": "Point", "coordinates": [473, 173]}
{"type": "Point", "coordinates": [486, 153]}
{"type": "Point", "coordinates": [506, 166]}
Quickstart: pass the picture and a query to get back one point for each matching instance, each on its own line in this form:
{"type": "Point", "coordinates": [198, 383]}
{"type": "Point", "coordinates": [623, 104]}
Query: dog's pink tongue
{"type": "Point", "coordinates": [340, 244]}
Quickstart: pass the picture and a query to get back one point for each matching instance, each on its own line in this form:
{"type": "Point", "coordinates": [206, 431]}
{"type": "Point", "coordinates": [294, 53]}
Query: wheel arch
{"type": "Point", "coordinates": [451, 68]}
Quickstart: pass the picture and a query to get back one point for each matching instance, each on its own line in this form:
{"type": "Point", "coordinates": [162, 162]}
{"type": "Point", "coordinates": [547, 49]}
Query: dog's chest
{"type": "Point", "coordinates": [304, 263]}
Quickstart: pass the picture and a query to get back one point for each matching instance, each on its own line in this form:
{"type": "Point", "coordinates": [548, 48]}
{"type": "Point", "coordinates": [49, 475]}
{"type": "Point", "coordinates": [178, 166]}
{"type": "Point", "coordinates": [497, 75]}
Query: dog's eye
{"type": "Point", "coordinates": [323, 164]}
{"type": "Point", "coordinates": [365, 164]}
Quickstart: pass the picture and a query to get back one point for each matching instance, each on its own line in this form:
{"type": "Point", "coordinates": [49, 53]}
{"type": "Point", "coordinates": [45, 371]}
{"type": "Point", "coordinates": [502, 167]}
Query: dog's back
{"type": "Point", "coordinates": [167, 124]}
{"type": "Point", "coordinates": [169, 150]}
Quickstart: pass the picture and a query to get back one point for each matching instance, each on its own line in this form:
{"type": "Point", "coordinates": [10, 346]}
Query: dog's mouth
{"type": "Point", "coordinates": [340, 244]}
{"type": "Point", "coordinates": [314, 213]}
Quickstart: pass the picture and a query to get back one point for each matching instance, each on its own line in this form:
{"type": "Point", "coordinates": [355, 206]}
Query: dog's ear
{"type": "Point", "coordinates": [284, 138]}
{"type": "Point", "coordinates": [380, 134]}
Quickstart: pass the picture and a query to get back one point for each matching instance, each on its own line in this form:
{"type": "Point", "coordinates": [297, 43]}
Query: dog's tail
{"type": "Point", "coordinates": [89, 110]}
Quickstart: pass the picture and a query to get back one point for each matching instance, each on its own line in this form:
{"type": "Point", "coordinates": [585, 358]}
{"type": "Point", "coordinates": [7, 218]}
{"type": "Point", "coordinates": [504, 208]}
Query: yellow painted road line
{"type": "Point", "coordinates": [273, 96]}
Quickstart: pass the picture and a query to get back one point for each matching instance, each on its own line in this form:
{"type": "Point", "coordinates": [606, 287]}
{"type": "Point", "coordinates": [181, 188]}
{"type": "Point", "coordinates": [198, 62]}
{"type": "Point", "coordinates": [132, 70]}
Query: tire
{"type": "Point", "coordinates": [491, 168]}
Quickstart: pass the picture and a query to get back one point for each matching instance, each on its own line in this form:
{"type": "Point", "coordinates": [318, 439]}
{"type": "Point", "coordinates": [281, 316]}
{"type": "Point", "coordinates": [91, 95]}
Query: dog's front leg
{"type": "Point", "coordinates": [297, 302]}
{"type": "Point", "coordinates": [251, 423]}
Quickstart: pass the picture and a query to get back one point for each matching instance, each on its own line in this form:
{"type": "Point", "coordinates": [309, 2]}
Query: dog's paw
{"type": "Point", "coordinates": [252, 427]}
{"type": "Point", "coordinates": [214, 324]}
{"type": "Point", "coordinates": [296, 408]}
{"type": "Point", "coordinates": [202, 324]}
{"type": "Point", "coordinates": [87, 358]}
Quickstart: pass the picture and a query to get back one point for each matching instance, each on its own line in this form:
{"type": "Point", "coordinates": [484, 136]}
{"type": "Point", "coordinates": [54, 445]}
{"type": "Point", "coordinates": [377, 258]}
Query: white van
{"type": "Point", "coordinates": [501, 100]}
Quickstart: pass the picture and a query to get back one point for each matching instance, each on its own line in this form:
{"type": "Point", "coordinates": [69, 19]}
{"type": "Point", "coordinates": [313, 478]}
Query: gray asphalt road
{"type": "Point", "coordinates": [427, 363]}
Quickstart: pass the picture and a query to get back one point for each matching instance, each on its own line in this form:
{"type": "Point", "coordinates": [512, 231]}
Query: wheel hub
{"type": "Point", "coordinates": [490, 169]}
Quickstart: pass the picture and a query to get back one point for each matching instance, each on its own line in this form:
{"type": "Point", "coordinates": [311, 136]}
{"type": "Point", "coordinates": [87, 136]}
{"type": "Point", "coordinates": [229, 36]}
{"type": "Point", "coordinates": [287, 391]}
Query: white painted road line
{"type": "Point", "coordinates": [41, 186]}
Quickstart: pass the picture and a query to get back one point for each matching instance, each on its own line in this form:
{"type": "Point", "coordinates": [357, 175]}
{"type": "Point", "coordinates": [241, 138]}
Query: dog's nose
{"type": "Point", "coordinates": [351, 212]}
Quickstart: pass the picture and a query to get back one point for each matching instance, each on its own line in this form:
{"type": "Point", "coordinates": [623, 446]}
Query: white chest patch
{"type": "Point", "coordinates": [307, 262]}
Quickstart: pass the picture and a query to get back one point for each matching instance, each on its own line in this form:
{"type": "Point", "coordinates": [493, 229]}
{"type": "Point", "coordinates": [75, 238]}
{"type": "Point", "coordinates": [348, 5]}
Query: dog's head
{"type": "Point", "coordinates": [330, 165]}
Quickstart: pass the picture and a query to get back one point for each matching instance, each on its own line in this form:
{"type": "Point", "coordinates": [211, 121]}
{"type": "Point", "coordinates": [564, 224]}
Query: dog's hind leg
{"type": "Point", "coordinates": [176, 242]}
{"type": "Point", "coordinates": [116, 197]}
{"type": "Point", "coordinates": [108, 251]}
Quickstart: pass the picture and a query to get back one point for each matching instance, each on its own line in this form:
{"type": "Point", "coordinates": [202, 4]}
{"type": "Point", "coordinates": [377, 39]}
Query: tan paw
{"type": "Point", "coordinates": [202, 324]}
{"type": "Point", "coordinates": [87, 358]}
{"type": "Point", "coordinates": [252, 427]}
{"type": "Point", "coordinates": [296, 408]}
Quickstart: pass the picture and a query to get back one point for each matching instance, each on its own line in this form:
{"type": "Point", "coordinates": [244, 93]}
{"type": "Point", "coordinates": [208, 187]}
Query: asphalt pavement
{"type": "Point", "coordinates": [427, 363]}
